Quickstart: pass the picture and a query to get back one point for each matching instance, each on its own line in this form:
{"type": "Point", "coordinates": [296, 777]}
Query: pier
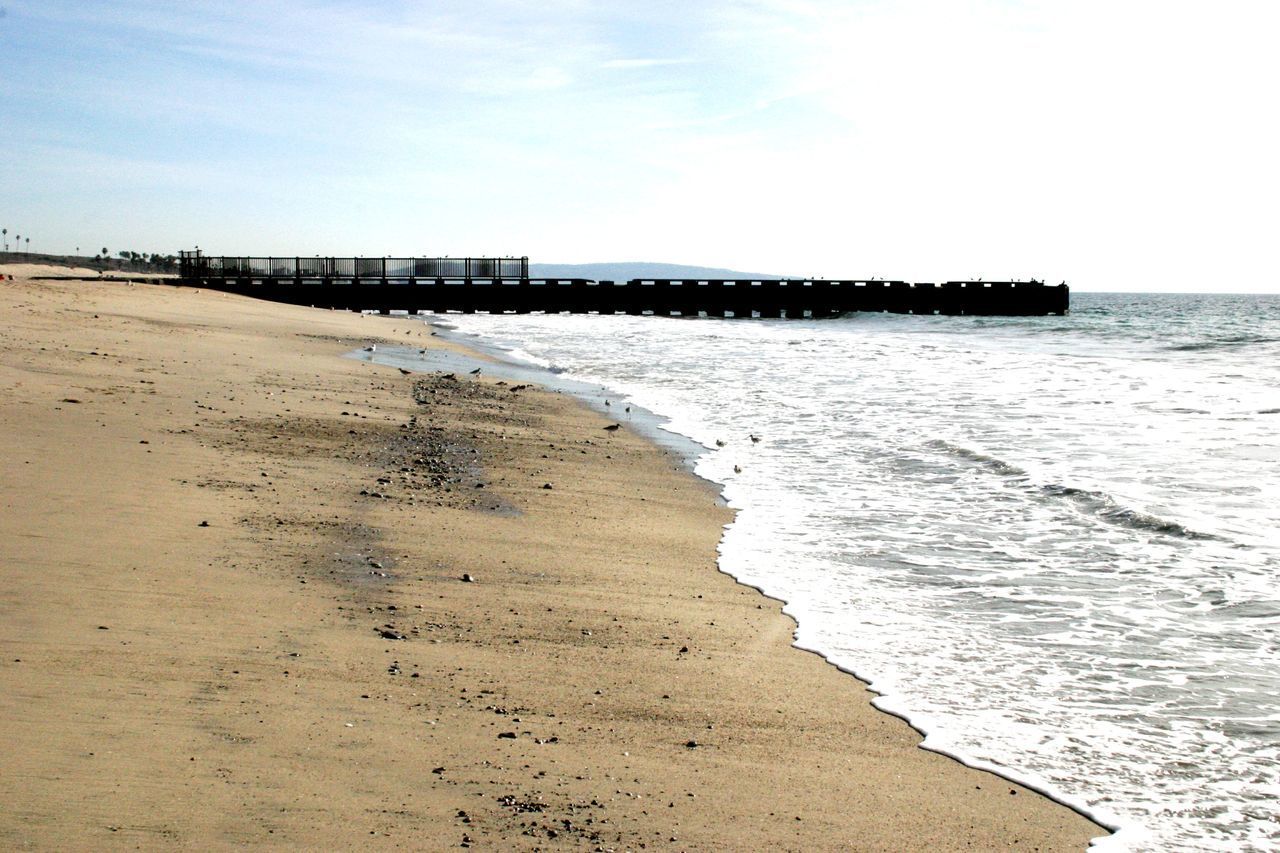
{"type": "Point", "coordinates": [503, 285]}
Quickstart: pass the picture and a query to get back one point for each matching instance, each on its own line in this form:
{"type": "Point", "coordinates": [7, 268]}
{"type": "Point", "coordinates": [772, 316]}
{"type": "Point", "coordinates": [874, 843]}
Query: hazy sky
{"type": "Point", "coordinates": [1117, 144]}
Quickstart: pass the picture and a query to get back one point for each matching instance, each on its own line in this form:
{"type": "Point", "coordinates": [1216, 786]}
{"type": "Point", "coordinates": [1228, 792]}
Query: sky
{"type": "Point", "coordinates": [1113, 144]}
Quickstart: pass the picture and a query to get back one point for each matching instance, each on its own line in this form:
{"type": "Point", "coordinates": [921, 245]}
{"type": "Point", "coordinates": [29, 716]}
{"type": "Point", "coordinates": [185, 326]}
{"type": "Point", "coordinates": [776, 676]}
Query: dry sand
{"type": "Point", "coordinates": [597, 684]}
{"type": "Point", "coordinates": [29, 270]}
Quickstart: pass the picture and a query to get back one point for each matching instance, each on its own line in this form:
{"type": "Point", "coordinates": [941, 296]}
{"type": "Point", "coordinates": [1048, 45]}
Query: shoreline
{"type": "Point", "coordinates": [234, 683]}
{"type": "Point", "coordinates": [656, 427]}
{"type": "Point", "coordinates": [474, 353]}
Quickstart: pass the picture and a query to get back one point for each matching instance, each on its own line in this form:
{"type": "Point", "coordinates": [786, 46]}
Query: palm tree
{"type": "Point", "coordinates": [17, 242]}
{"type": "Point", "coordinates": [28, 245]}
{"type": "Point", "coordinates": [6, 238]}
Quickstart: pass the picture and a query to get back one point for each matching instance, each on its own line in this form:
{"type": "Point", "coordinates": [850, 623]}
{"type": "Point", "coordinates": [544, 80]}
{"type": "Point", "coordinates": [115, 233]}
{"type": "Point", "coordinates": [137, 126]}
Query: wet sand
{"type": "Point", "coordinates": [255, 592]}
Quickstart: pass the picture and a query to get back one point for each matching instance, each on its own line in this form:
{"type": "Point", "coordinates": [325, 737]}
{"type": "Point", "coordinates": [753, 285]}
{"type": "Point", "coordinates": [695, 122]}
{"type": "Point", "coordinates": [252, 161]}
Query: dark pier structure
{"type": "Point", "coordinates": [503, 285]}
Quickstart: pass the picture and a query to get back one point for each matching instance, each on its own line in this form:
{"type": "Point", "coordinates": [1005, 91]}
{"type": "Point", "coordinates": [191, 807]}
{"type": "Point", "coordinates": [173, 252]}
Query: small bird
{"type": "Point", "coordinates": [475, 372]}
{"type": "Point", "coordinates": [755, 439]}
{"type": "Point", "coordinates": [737, 469]}
{"type": "Point", "coordinates": [613, 427]}
{"type": "Point", "coordinates": [405, 372]}
{"type": "Point", "coordinates": [607, 403]}
{"type": "Point", "coordinates": [719, 443]}
{"type": "Point", "coordinates": [371, 348]}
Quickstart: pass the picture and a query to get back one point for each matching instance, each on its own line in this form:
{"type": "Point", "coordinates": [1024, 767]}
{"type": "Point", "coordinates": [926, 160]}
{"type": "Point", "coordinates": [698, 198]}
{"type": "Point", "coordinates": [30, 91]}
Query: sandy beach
{"type": "Point", "coordinates": [256, 592]}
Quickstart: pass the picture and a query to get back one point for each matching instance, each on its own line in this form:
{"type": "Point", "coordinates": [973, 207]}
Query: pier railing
{"type": "Point", "coordinates": [193, 265]}
{"type": "Point", "coordinates": [503, 285]}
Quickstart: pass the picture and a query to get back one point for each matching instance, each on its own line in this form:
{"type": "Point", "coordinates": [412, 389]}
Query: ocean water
{"type": "Point", "coordinates": [1052, 544]}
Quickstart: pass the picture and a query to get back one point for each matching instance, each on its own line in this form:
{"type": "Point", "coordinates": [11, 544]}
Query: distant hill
{"type": "Point", "coordinates": [627, 270]}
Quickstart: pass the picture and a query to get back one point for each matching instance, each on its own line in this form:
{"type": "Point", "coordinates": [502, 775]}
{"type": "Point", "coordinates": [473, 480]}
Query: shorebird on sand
{"type": "Point", "coordinates": [613, 427]}
{"type": "Point", "coordinates": [475, 372]}
{"type": "Point", "coordinates": [405, 372]}
{"type": "Point", "coordinates": [755, 439]}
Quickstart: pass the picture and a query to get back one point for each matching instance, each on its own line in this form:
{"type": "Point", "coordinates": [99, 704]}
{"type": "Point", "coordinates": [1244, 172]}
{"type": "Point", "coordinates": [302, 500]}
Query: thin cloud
{"type": "Point", "coordinates": [643, 63]}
